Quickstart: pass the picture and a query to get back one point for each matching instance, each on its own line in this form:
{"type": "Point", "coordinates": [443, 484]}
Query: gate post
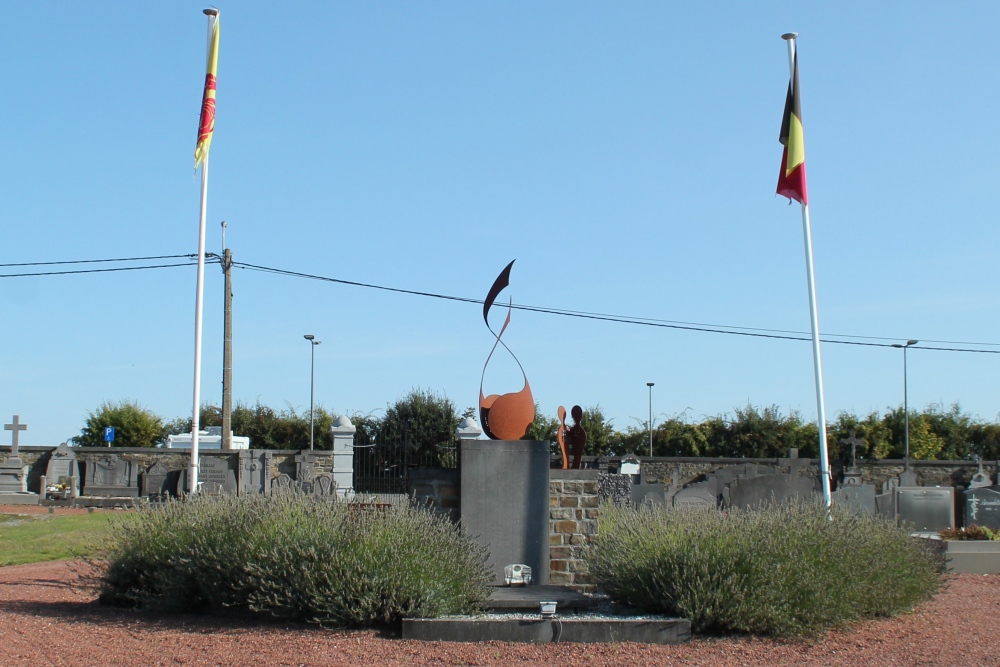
{"type": "Point", "coordinates": [343, 456]}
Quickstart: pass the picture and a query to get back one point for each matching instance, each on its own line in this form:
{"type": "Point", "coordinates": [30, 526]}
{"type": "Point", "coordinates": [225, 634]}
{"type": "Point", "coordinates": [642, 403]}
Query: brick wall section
{"type": "Point", "coordinates": [573, 513]}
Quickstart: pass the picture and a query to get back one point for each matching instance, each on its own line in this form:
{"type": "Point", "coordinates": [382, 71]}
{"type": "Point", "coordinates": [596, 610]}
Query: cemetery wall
{"type": "Point", "coordinates": [573, 511]}
{"type": "Point", "coordinates": [684, 470]}
{"type": "Point", "coordinates": [437, 488]}
{"type": "Point", "coordinates": [37, 458]}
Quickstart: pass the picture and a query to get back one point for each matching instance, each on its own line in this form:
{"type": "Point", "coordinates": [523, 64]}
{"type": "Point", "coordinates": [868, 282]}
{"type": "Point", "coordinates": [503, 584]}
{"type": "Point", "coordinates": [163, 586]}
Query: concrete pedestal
{"type": "Point", "coordinates": [505, 502]}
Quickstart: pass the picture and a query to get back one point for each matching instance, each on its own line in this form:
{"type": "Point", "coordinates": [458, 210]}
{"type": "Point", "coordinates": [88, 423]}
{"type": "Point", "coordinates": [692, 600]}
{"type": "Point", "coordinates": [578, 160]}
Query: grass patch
{"type": "Point", "coordinates": [784, 570]}
{"type": "Point", "coordinates": [35, 538]}
{"type": "Point", "coordinates": [292, 556]}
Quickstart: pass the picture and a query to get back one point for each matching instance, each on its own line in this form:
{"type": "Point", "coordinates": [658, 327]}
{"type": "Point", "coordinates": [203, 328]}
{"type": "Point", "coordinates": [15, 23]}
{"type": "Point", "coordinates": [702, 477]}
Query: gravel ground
{"type": "Point", "coordinates": [45, 620]}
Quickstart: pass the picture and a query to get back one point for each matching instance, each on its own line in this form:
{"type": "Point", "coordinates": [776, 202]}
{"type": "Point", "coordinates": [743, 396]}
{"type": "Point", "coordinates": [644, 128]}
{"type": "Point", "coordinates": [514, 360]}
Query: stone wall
{"type": "Point", "coordinates": [37, 459]}
{"type": "Point", "coordinates": [437, 488]}
{"type": "Point", "coordinates": [573, 514]}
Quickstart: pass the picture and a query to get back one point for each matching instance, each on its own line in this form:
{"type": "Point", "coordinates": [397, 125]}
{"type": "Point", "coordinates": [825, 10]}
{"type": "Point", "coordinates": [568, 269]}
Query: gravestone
{"type": "Point", "coordinates": [14, 472]}
{"type": "Point", "coordinates": [305, 467]}
{"type": "Point", "coordinates": [982, 507]}
{"type": "Point", "coordinates": [254, 472]}
{"type": "Point", "coordinates": [155, 481]}
{"type": "Point", "coordinates": [980, 479]}
{"type": "Point", "coordinates": [928, 509]}
{"type": "Point", "coordinates": [852, 476]}
{"type": "Point", "coordinates": [908, 477]}
{"type": "Point", "coordinates": [63, 468]}
{"type": "Point", "coordinates": [215, 476]}
{"type": "Point", "coordinates": [111, 477]}
{"type": "Point", "coordinates": [748, 492]}
{"type": "Point", "coordinates": [697, 495]}
{"type": "Point", "coordinates": [648, 494]}
{"type": "Point", "coordinates": [856, 498]}
{"type": "Point", "coordinates": [324, 485]}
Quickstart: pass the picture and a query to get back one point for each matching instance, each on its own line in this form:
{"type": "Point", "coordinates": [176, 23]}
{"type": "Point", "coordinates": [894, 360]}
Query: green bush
{"type": "Point", "coordinates": [785, 570]}
{"type": "Point", "coordinates": [292, 556]}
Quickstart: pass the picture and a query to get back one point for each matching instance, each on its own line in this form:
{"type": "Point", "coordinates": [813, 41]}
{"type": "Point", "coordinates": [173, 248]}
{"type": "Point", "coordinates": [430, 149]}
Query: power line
{"type": "Point", "coordinates": [96, 261]}
{"type": "Point", "coordinates": [110, 270]}
{"type": "Point", "coordinates": [665, 324]}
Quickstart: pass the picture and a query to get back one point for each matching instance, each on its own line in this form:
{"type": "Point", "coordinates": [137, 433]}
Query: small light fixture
{"type": "Point", "coordinates": [547, 609]}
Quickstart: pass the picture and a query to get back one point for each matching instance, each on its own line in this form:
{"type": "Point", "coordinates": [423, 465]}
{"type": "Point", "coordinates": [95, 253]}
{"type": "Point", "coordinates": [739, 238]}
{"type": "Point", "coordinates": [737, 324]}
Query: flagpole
{"type": "Point", "coordinates": [212, 15]}
{"type": "Point", "coordinates": [824, 459]}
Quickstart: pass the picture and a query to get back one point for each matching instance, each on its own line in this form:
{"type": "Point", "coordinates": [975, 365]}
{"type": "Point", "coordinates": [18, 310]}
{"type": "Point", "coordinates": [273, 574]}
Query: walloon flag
{"type": "Point", "coordinates": [792, 178]}
{"type": "Point", "coordinates": [207, 124]}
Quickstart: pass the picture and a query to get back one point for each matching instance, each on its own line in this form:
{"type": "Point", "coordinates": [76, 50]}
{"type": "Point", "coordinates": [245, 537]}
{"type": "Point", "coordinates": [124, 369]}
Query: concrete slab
{"type": "Point", "coordinates": [18, 498]}
{"type": "Point", "coordinates": [545, 631]}
{"type": "Point", "coordinates": [527, 598]}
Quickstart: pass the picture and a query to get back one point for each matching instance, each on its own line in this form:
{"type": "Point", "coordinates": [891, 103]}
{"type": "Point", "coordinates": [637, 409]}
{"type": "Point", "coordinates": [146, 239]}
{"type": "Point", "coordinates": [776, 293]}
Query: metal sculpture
{"type": "Point", "coordinates": [506, 416]}
{"type": "Point", "coordinates": [575, 434]}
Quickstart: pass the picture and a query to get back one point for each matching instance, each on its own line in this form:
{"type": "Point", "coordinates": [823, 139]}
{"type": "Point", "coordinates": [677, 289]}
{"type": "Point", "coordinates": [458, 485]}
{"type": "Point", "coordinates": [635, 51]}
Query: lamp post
{"type": "Point", "coordinates": [650, 422]}
{"type": "Point", "coordinates": [906, 406]}
{"type": "Point", "coordinates": [312, 382]}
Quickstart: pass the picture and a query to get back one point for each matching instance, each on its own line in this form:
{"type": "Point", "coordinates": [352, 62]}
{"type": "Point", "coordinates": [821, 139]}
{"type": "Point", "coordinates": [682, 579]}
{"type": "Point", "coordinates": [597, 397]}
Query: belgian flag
{"type": "Point", "coordinates": [792, 178]}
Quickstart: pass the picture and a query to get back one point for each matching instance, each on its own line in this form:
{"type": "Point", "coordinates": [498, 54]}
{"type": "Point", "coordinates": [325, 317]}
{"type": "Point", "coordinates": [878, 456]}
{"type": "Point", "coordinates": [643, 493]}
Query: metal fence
{"type": "Point", "coordinates": [385, 457]}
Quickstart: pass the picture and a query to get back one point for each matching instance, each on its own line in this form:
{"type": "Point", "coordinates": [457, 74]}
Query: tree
{"type": "Point", "coordinates": [134, 425]}
{"type": "Point", "coordinates": [422, 421]}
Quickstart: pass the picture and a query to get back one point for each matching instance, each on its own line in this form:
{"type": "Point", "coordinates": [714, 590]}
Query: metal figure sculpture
{"type": "Point", "coordinates": [576, 436]}
{"type": "Point", "coordinates": [506, 416]}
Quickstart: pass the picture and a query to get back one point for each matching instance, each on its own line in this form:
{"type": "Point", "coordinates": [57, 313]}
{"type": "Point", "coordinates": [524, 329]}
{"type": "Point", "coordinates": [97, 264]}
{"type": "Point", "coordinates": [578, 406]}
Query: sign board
{"type": "Point", "coordinates": [109, 434]}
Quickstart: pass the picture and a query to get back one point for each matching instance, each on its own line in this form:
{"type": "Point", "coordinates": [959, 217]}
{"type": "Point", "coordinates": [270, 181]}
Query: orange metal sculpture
{"type": "Point", "coordinates": [505, 416]}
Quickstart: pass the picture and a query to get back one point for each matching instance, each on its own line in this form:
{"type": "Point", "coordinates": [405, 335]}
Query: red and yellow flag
{"type": "Point", "coordinates": [792, 178]}
{"type": "Point", "coordinates": [207, 124]}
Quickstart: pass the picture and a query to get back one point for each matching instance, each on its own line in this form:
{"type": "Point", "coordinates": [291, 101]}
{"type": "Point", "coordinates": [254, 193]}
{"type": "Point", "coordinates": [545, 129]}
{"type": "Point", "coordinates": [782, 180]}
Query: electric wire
{"type": "Point", "coordinates": [666, 324]}
{"type": "Point", "coordinates": [108, 270]}
{"type": "Point", "coordinates": [96, 261]}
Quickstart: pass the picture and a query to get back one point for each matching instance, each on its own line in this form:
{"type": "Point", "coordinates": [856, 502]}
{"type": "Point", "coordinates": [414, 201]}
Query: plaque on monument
{"type": "Point", "coordinates": [926, 508]}
{"type": "Point", "coordinates": [111, 477]}
{"type": "Point", "coordinates": [63, 470]}
{"type": "Point", "coordinates": [155, 482]}
{"type": "Point", "coordinates": [982, 507]}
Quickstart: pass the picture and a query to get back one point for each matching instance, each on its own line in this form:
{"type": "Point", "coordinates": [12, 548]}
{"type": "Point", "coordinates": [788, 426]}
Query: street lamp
{"type": "Point", "coordinates": [906, 406]}
{"type": "Point", "coordinates": [312, 382]}
{"type": "Point", "coordinates": [650, 422]}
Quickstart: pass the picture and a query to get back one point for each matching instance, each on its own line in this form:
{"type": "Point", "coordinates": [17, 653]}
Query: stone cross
{"type": "Point", "coordinates": [853, 441]}
{"type": "Point", "coordinates": [15, 427]}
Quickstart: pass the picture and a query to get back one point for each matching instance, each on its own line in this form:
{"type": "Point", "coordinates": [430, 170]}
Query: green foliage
{"type": "Point", "coordinates": [266, 427]}
{"type": "Point", "coordinates": [423, 420]}
{"type": "Point", "coordinates": [292, 556]}
{"type": "Point", "coordinates": [973, 532]}
{"type": "Point", "coordinates": [135, 426]}
{"type": "Point", "coordinates": [601, 436]}
{"type": "Point", "coordinates": [42, 537]}
{"type": "Point", "coordinates": [785, 570]}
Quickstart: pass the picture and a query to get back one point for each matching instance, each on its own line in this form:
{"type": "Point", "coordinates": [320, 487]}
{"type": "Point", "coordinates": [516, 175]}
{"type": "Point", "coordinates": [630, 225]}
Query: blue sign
{"type": "Point", "coordinates": [109, 434]}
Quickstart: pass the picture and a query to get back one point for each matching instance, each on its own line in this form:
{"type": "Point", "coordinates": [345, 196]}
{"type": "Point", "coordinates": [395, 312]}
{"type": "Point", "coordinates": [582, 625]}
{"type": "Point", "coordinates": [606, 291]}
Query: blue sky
{"type": "Point", "coordinates": [625, 154]}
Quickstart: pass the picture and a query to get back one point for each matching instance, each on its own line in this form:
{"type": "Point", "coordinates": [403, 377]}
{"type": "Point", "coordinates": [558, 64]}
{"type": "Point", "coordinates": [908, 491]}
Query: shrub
{"type": "Point", "coordinates": [784, 570]}
{"type": "Point", "coordinates": [292, 556]}
{"type": "Point", "coordinates": [973, 532]}
{"type": "Point", "coordinates": [135, 426]}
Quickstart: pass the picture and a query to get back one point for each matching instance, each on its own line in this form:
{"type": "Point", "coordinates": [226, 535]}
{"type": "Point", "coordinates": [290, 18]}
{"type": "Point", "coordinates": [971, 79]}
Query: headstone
{"type": "Point", "coordinates": [980, 479]}
{"type": "Point", "coordinates": [324, 485]}
{"type": "Point", "coordinates": [852, 476]}
{"type": "Point", "coordinates": [154, 482]}
{"type": "Point", "coordinates": [885, 504]}
{"type": "Point", "coordinates": [63, 469]}
{"type": "Point", "coordinates": [927, 509]}
{"type": "Point", "coordinates": [305, 467]}
{"type": "Point", "coordinates": [215, 476]}
{"type": "Point", "coordinates": [648, 494]}
{"type": "Point", "coordinates": [982, 507]}
{"type": "Point", "coordinates": [254, 472]}
{"type": "Point", "coordinates": [111, 477]}
{"type": "Point", "coordinates": [748, 492]}
{"type": "Point", "coordinates": [697, 495]}
{"type": "Point", "coordinates": [13, 471]}
{"type": "Point", "coordinates": [857, 498]}
{"type": "Point", "coordinates": [908, 477]}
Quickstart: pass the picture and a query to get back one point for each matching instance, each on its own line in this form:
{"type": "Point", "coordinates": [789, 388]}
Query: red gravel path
{"type": "Point", "coordinates": [45, 621]}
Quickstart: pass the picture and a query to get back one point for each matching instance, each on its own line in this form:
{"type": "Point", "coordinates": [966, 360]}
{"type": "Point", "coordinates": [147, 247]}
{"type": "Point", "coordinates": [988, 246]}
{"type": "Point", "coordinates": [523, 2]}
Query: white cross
{"type": "Point", "coordinates": [15, 427]}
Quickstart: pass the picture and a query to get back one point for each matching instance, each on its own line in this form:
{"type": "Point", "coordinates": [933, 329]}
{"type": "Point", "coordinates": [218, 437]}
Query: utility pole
{"type": "Point", "coordinates": [227, 347]}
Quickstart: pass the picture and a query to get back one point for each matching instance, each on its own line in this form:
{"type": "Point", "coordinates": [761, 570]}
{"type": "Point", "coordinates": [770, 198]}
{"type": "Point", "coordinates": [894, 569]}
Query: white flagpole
{"type": "Point", "coordinates": [199, 300]}
{"type": "Point", "coordinates": [824, 459]}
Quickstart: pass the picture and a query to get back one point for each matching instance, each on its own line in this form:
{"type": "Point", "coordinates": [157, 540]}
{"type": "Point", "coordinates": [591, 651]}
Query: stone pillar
{"type": "Point", "coordinates": [505, 502]}
{"type": "Point", "coordinates": [343, 456]}
{"type": "Point", "coordinates": [468, 429]}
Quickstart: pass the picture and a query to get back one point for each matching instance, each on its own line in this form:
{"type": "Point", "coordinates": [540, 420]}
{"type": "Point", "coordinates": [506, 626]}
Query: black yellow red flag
{"type": "Point", "coordinates": [206, 124]}
{"type": "Point", "coordinates": [792, 178]}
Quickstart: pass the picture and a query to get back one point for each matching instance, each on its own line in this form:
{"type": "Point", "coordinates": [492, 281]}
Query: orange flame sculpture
{"type": "Point", "coordinates": [507, 416]}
